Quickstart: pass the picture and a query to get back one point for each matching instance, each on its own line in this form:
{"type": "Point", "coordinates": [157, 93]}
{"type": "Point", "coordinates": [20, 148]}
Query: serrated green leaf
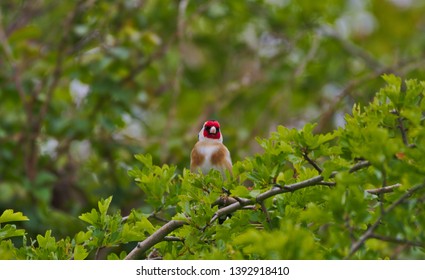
{"type": "Point", "coordinates": [10, 216]}
{"type": "Point", "coordinates": [145, 159]}
{"type": "Point", "coordinates": [47, 241]}
{"type": "Point", "coordinates": [104, 205]}
{"type": "Point", "coordinates": [80, 253]}
{"type": "Point", "coordinates": [81, 237]}
{"type": "Point", "coordinates": [8, 231]}
{"type": "Point", "coordinates": [145, 225]}
{"type": "Point", "coordinates": [90, 217]}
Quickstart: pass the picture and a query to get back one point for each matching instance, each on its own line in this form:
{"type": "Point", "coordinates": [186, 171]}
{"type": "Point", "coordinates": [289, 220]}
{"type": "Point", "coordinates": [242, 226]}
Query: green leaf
{"type": "Point", "coordinates": [240, 191]}
{"type": "Point", "coordinates": [91, 217]}
{"type": "Point", "coordinates": [81, 237]}
{"type": "Point", "coordinates": [103, 205]}
{"type": "Point", "coordinates": [8, 231]}
{"type": "Point", "coordinates": [145, 159]}
{"type": "Point", "coordinates": [10, 216]}
{"type": "Point", "coordinates": [47, 241]}
{"type": "Point", "coordinates": [80, 253]}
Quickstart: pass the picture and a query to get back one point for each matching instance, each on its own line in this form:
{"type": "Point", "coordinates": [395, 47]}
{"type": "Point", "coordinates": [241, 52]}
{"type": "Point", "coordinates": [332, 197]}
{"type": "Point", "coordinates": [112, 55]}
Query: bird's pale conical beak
{"type": "Point", "coordinates": [213, 130]}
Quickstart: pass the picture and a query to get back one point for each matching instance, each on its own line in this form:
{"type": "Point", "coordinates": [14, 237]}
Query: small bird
{"type": "Point", "coordinates": [209, 152]}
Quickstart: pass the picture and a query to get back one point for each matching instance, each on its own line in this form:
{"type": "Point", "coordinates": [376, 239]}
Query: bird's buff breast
{"type": "Point", "coordinates": [208, 155]}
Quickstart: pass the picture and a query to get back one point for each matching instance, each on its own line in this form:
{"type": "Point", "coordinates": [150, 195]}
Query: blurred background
{"type": "Point", "coordinates": [85, 85]}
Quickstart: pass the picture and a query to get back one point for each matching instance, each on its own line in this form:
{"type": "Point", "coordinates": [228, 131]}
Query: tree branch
{"type": "Point", "coordinates": [155, 238]}
{"type": "Point", "coordinates": [278, 189]}
{"type": "Point", "coordinates": [237, 204]}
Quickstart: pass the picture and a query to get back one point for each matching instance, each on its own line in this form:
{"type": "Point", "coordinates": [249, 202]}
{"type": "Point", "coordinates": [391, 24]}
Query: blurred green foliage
{"type": "Point", "coordinates": [343, 194]}
{"type": "Point", "coordinates": [85, 85]}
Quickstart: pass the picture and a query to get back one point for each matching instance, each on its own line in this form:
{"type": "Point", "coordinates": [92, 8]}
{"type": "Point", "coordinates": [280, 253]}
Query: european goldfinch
{"type": "Point", "coordinates": [209, 152]}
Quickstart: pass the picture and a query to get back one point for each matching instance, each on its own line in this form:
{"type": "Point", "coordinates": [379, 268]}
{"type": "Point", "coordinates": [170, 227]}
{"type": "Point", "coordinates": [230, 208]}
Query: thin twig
{"type": "Point", "coordinates": [26, 12]}
{"type": "Point", "coordinates": [158, 218]}
{"type": "Point", "coordinates": [397, 240]}
{"type": "Point", "coordinates": [356, 246]}
{"type": "Point", "coordinates": [403, 130]}
{"type": "Point", "coordinates": [226, 191]}
{"type": "Point", "coordinates": [381, 194]}
{"type": "Point", "coordinates": [310, 56]}
{"type": "Point", "coordinates": [404, 196]}
{"type": "Point", "coordinates": [370, 231]}
{"type": "Point", "coordinates": [97, 254]}
{"type": "Point", "coordinates": [386, 189]}
{"type": "Point", "coordinates": [312, 162]}
{"type": "Point", "coordinates": [173, 238]}
{"type": "Point", "coordinates": [266, 213]}
{"type": "Point", "coordinates": [350, 228]}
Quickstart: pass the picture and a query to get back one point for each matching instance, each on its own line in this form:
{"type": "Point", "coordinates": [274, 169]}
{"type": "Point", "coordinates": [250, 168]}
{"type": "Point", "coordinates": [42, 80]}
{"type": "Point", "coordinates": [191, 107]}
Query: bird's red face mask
{"type": "Point", "coordinates": [212, 129]}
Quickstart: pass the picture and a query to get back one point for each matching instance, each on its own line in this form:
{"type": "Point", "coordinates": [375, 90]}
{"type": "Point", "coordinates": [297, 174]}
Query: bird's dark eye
{"type": "Point", "coordinates": [207, 127]}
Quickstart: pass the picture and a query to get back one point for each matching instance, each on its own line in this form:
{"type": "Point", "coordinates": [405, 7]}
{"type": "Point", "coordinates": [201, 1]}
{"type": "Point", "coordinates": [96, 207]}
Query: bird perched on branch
{"type": "Point", "coordinates": [209, 152]}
